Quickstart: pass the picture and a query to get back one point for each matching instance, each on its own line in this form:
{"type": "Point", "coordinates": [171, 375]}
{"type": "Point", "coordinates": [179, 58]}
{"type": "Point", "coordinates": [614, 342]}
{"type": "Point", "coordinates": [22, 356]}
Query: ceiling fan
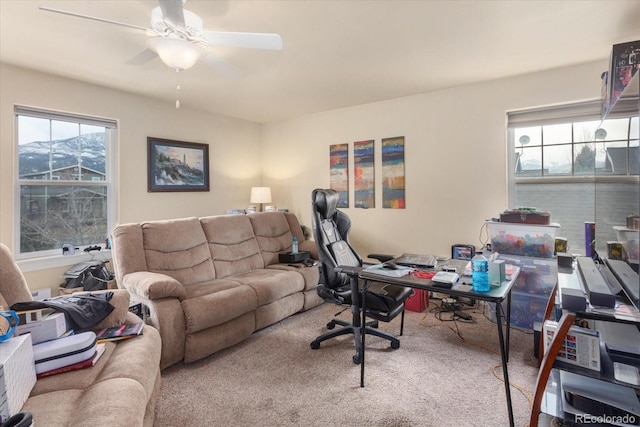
{"type": "Point", "coordinates": [178, 37]}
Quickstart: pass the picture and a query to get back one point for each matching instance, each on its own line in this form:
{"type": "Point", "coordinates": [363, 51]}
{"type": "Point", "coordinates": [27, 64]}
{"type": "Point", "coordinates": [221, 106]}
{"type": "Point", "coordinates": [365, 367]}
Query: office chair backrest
{"type": "Point", "coordinates": [330, 231]}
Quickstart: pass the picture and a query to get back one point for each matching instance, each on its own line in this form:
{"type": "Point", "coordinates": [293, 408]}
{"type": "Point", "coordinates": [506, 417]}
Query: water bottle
{"type": "Point", "coordinates": [294, 245]}
{"type": "Point", "coordinates": [480, 273]}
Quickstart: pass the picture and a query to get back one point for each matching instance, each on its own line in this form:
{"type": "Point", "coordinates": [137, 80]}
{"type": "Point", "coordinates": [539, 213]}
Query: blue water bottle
{"type": "Point", "coordinates": [480, 273]}
{"type": "Point", "coordinates": [294, 245]}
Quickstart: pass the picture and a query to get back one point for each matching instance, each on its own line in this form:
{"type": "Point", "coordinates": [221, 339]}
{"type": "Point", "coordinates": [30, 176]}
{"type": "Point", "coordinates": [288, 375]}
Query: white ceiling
{"type": "Point", "coordinates": [336, 53]}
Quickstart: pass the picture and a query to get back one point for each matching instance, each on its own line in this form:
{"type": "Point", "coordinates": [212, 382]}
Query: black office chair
{"type": "Point", "coordinates": [382, 301]}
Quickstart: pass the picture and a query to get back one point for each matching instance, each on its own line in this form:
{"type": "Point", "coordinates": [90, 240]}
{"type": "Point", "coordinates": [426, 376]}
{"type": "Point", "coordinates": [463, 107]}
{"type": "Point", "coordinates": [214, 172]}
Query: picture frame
{"type": "Point", "coordinates": [177, 165]}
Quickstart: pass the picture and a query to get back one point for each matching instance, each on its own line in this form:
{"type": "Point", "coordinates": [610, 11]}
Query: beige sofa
{"type": "Point", "coordinates": [120, 390]}
{"type": "Point", "coordinates": [210, 282]}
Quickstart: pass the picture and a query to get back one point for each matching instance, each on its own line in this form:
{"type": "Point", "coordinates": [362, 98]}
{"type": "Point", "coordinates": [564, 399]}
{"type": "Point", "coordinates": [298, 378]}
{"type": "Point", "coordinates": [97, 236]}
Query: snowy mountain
{"type": "Point", "coordinates": [87, 150]}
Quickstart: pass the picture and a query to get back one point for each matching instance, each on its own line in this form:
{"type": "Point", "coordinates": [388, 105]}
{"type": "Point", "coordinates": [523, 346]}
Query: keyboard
{"type": "Point", "coordinates": [417, 260]}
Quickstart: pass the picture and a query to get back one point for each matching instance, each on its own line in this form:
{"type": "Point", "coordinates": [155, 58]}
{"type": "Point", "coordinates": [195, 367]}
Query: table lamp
{"type": "Point", "coordinates": [260, 195]}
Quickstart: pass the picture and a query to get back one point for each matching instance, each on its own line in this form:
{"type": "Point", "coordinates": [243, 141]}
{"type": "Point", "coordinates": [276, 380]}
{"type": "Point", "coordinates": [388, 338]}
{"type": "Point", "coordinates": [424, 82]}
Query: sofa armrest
{"type": "Point", "coordinates": [309, 246]}
{"type": "Point", "coordinates": [152, 286]}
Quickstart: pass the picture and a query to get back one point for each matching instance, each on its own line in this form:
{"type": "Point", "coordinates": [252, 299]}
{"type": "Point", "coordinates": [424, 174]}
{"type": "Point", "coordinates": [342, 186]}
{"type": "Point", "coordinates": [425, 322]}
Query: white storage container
{"type": "Point", "coordinates": [64, 351]}
{"type": "Point", "coordinates": [17, 374]}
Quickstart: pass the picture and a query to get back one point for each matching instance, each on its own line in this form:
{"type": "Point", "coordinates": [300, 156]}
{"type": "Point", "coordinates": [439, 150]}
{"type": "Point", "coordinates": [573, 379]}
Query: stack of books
{"type": "Point", "coordinates": [98, 341]}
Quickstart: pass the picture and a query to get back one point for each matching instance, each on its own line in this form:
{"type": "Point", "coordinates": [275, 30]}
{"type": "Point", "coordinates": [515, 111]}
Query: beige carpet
{"type": "Point", "coordinates": [275, 379]}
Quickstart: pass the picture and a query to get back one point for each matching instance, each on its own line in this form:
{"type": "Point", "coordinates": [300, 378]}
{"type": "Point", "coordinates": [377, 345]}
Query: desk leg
{"type": "Point", "coordinates": [503, 355]}
{"type": "Point", "coordinates": [364, 332]}
{"type": "Point", "coordinates": [508, 322]}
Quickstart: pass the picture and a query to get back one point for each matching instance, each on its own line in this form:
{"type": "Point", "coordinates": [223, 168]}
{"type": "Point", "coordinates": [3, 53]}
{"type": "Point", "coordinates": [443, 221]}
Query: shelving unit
{"type": "Point", "coordinates": [549, 398]}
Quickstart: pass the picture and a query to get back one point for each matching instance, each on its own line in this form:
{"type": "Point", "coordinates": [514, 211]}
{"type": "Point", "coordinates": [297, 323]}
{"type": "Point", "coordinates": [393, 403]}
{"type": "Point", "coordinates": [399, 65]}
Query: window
{"type": "Point", "coordinates": [64, 191]}
{"type": "Point", "coordinates": [564, 159]}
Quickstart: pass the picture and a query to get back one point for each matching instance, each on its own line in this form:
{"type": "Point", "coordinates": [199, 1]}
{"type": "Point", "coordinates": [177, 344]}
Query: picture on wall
{"type": "Point", "coordinates": [177, 166]}
{"type": "Point", "coordinates": [364, 174]}
{"type": "Point", "coordinates": [393, 173]}
{"type": "Point", "coordinates": [339, 172]}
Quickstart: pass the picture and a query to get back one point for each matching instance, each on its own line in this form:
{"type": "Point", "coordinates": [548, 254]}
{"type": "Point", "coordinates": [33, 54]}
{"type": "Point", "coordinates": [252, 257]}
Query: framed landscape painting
{"type": "Point", "coordinates": [177, 165]}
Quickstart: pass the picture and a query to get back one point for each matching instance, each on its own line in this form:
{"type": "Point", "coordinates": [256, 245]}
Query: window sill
{"type": "Point", "coordinates": [44, 263]}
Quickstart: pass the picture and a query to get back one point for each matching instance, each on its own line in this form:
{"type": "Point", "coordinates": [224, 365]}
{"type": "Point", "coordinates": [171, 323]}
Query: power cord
{"type": "Point", "coordinates": [448, 302]}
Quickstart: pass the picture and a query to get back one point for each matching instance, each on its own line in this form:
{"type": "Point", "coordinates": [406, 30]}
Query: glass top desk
{"type": "Point", "coordinates": [496, 295]}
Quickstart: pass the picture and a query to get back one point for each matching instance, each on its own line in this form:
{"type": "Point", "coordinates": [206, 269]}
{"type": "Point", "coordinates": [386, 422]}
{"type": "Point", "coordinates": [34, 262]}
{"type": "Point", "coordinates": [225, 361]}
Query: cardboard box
{"type": "Point", "coordinates": [49, 328]}
{"type": "Point", "coordinates": [17, 374]}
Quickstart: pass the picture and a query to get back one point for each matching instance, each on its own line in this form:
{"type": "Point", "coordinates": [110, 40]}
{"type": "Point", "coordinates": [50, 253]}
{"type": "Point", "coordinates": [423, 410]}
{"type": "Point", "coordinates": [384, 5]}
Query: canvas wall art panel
{"type": "Point", "coordinates": [339, 172]}
{"type": "Point", "coordinates": [364, 174]}
{"type": "Point", "coordinates": [393, 195]}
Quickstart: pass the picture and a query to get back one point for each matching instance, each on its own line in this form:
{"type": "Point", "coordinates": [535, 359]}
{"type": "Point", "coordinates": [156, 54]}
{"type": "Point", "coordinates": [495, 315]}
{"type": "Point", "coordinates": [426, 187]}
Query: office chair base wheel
{"type": "Point", "coordinates": [356, 359]}
{"type": "Point", "coordinates": [395, 345]}
{"type": "Point", "coordinates": [331, 325]}
{"type": "Point", "coordinates": [315, 345]}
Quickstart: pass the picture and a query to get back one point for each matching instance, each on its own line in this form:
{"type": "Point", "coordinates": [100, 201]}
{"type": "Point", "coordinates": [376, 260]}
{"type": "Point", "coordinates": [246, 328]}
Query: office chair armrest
{"type": "Point", "coordinates": [348, 270]}
{"type": "Point", "coordinates": [381, 257]}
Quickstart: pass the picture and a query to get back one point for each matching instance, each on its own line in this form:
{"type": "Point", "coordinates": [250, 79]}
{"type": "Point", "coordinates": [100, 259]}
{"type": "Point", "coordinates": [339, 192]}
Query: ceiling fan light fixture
{"type": "Point", "coordinates": [176, 53]}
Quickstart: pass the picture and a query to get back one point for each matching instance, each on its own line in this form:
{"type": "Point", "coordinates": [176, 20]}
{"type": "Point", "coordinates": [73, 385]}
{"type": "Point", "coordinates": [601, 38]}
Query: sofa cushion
{"type": "Point", "coordinates": [271, 284]}
{"type": "Point", "coordinates": [311, 275]}
{"type": "Point", "coordinates": [233, 246]}
{"type": "Point", "coordinates": [273, 234]}
{"type": "Point", "coordinates": [178, 248]}
{"type": "Point", "coordinates": [213, 303]}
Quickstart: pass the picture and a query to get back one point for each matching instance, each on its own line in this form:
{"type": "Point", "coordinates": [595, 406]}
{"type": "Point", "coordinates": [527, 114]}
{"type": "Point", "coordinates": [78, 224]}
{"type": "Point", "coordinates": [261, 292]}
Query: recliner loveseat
{"type": "Point", "coordinates": [120, 390]}
{"type": "Point", "coordinates": [210, 282]}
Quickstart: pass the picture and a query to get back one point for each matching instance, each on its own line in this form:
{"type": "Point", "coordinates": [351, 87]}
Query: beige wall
{"type": "Point", "coordinates": [455, 157]}
{"type": "Point", "coordinates": [454, 141]}
{"type": "Point", "coordinates": [234, 149]}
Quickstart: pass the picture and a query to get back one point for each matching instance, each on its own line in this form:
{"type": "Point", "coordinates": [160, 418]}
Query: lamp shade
{"type": "Point", "coordinates": [176, 53]}
{"type": "Point", "coordinates": [260, 195]}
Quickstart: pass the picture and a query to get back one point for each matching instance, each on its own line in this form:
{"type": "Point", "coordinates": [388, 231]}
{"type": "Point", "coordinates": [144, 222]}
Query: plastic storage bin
{"type": "Point", "coordinates": [537, 275]}
{"type": "Point", "coordinates": [529, 240]}
{"type": "Point", "coordinates": [630, 239]}
{"type": "Point", "coordinates": [526, 309]}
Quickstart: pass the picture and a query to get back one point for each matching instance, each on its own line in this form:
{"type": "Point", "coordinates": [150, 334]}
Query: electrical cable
{"type": "Point", "coordinates": [438, 310]}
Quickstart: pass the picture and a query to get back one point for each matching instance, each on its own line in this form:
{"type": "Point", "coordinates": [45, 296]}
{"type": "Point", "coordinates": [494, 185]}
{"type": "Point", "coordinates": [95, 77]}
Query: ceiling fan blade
{"type": "Point", "coordinates": [172, 11]}
{"type": "Point", "coordinates": [221, 66]}
{"type": "Point", "coordinates": [247, 40]}
{"type": "Point", "coordinates": [142, 57]}
{"type": "Point", "coordinates": [93, 18]}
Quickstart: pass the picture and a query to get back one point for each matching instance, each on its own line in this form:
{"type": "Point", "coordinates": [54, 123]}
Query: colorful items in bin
{"type": "Point", "coordinates": [541, 246]}
{"type": "Point", "coordinates": [525, 215]}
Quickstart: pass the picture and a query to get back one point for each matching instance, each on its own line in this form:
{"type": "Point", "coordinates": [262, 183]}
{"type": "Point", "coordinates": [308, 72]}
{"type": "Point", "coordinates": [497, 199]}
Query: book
{"type": "Point", "coordinates": [581, 346]}
{"type": "Point", "coordinates": [120, 332]}
{"type": "Point", "coordinates": [76, 366]}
